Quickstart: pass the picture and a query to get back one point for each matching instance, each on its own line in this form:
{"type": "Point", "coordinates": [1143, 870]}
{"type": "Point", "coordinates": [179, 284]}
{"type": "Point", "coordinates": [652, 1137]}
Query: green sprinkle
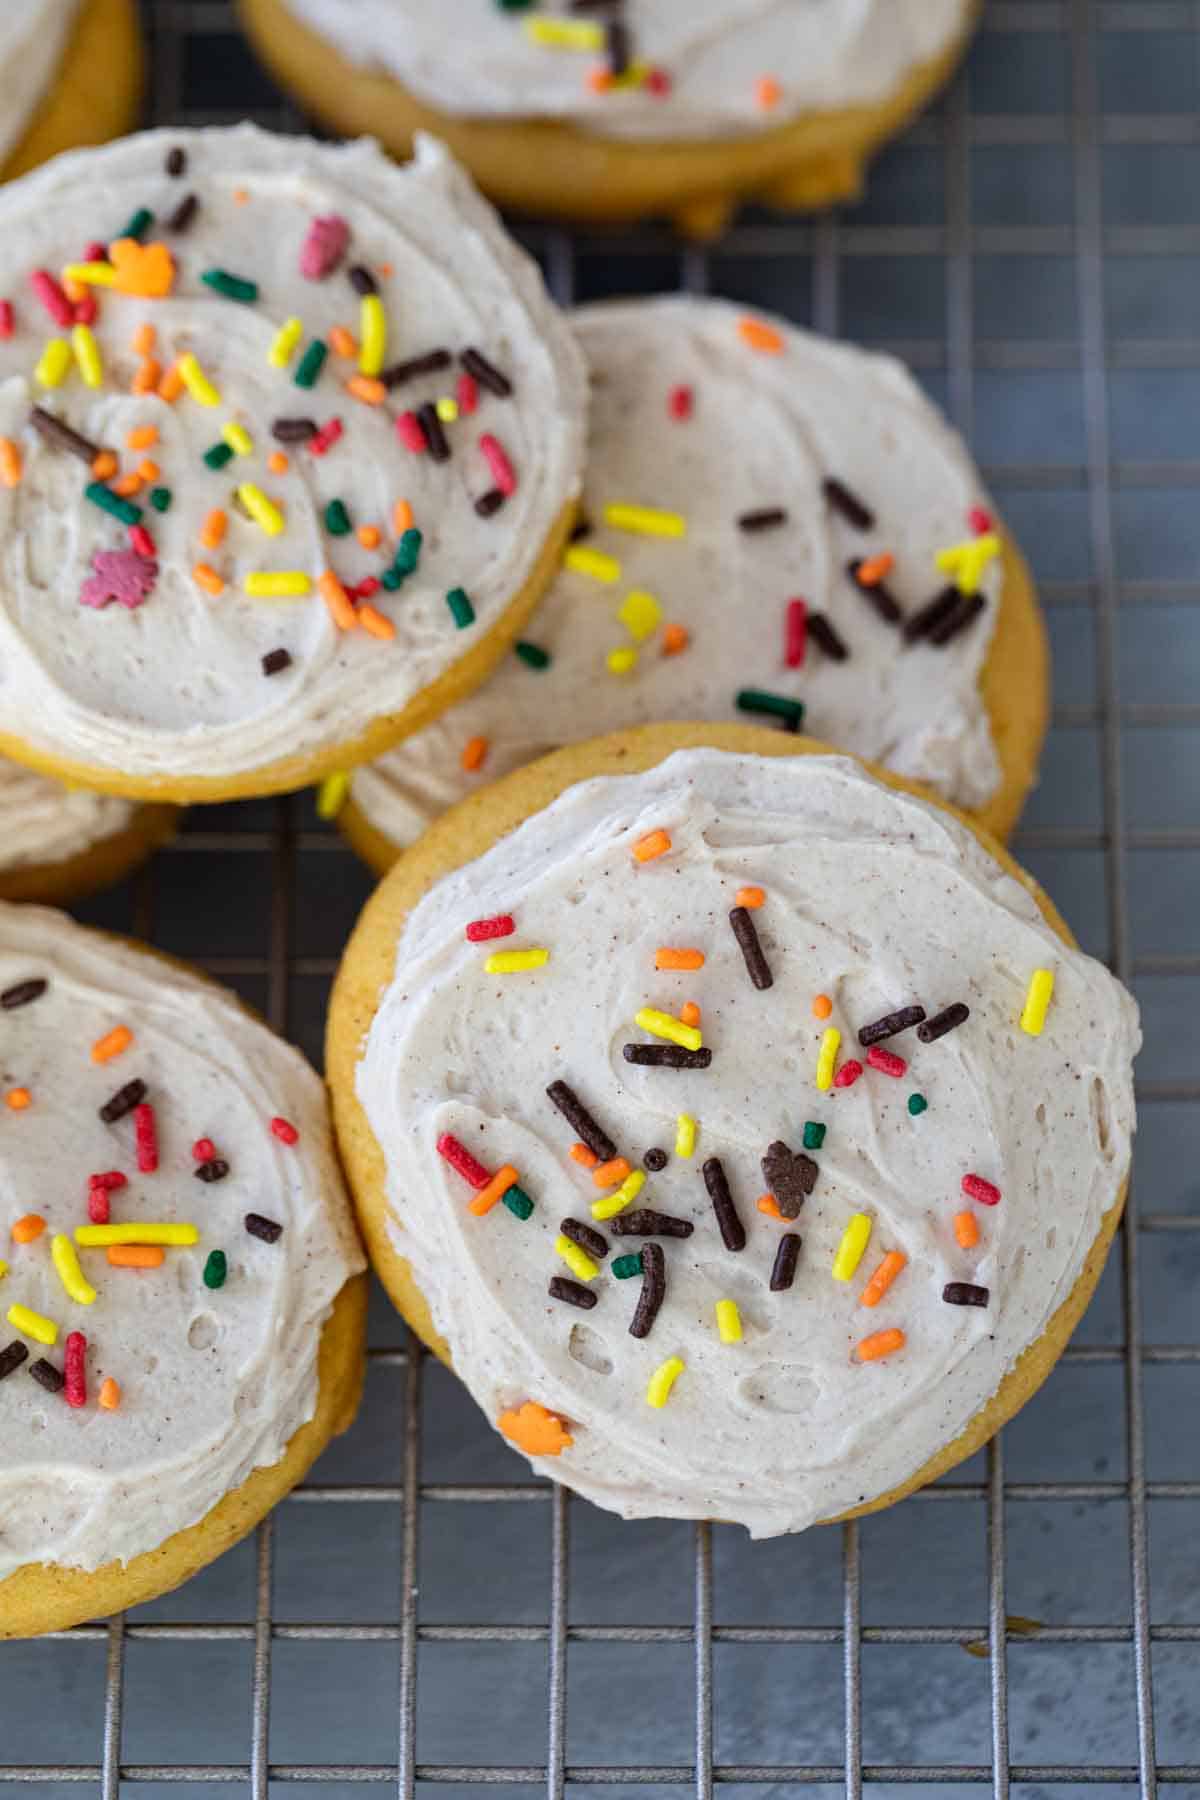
{"type": "Point", "coordinates": [757, 700]}
{"type": "Point", "coordinates": [408, 551]}
{"type": "Point", "coordinates": [518, 1201]}
{"type": "Point", "coordinates": [215, 1269]}
{"type": "Point", "coordinates": [391, 580]}
{"type": "Point", "coordinates": [337, 519]}
{"type": "Point", "coordinates": [232, 286]}
{"type": "Point", "coordinates": [532, 655]}
{"type": "Point", "coordinates": [514, 5]}
{"type": "Point", "coordinates": [108, 502]}
{"type": "Point", "coordinates": [139, 225]}
{"type": "Point", "coordinates": [161, 498]}
{"type": "Point", "coordinates": [917, 1104]}
{"type": "Point", "coordinates": [460, 606]}
{"type": "Point", "coordinates": [814, 1135]}
{"type": "Point", "coordinates": [311, 364]}
{"type": "Point", "coordinates": [625, 1266]}
{"type": "Point", "coordinates": [217, 455]}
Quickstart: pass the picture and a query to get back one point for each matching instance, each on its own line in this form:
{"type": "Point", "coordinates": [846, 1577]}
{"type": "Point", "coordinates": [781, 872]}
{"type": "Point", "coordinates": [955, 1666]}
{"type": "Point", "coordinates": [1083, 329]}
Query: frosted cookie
{"type": "Point", "coordinates": [628, 109]}
{"type": "Point", "coordinates": [57, 843]}
{"type": "Point", "coordinates": [182, 1306]}
{"type": "Point", "coordinates": [744, 482]}
{"type": "Point", "coordinates": [287, 455]}
{"type": "Point", "coordinates": [746, 1129]}
{"type": "Point", "coordinates": [70, 74]}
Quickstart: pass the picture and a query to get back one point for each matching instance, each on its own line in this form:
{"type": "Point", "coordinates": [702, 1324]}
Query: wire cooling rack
{"type": "Point", "coordinates": [422, 1611]}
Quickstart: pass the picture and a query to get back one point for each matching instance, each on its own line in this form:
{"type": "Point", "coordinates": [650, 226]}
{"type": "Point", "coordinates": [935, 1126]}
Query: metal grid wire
{"type": "Point", "coordinates": [199, 70]}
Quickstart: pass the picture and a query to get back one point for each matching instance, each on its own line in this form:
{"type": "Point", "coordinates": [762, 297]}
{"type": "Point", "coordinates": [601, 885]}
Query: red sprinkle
{"type": "Point", "coordinates": [87, 310]}
{"type": "Point", "coordinates": [142, 542]}
{"type": "Point", "coordinates": [96, 252]}
{"type": "Point", "coordinates": [795, 634]}
{"type": "Point", "coordinates": [369, 585]}
{"type": "Point", "coordinates": [326, 438]}
{"type": "Point", "coordinates": [8, 320]}
{"type": "Point", "coordinates": [885, 1061]}
{"type": "Point", "coordinates": [97, 1206]}
{"type": "Point", "coordinates": [52, 297]}
{"type": "Point", "coordinates": [986, 1192]}
{"type": "Point", "coordinates": [848, 1074]}
{"type": "Point", "coordinates": [500, 925]}
{"type": "Point", "coordinates": [467, 393]}
{"type": "Point", "coordinates": [75, 1350]}
{"type": "Point", "coordinates": [658, 81]}
{"type": "Point", "coordinates": [109, 1180]}
{"type": "Point", "coordinates": [146, 1136]}
{"type": "Point", "coordinates": [285, 1131]}
{"type": "Point", "coordinates": [411, 432]}
{"type": "Point", "coordinates": [204, 1149]}
{"type": "Point", "coordinates": [679, 403]}
{"type": "Point", "coordinates": [497, 461]}
{"type": "Point", "coordinates": [980, 520]}
{"type": "Point", "coordinates": [460, 1158]}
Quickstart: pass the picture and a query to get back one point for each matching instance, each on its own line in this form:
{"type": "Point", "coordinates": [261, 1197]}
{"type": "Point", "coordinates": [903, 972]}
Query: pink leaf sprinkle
{"type": "Point", "coordinates": [324, 247]}
{"type": "Point", "coordinates": [120, 575]}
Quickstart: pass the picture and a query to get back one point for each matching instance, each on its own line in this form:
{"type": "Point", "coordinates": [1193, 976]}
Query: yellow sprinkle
{"type": "Point", "coordinates": [87, 355]}
{"type": "Point", "coordinates": [3, 1270]}
{"type": "Point", "coordinates": [283, 344]}
{"type": "Point", "coordinates": [577, 1260]}
{"type": "Point", "coordinates": [665, 1025]}
{"type": "Point", "coordinates": [967, 562]}
{"type": "Point", "coordinates": [331, 794]}
{"type": "Point", "coordinates": [565, 34]}
{"type": "Point", "coordinates": [850, 1251]}
{"type": "Point", "coordinates": [372, 335]}
{"type": "Point", "coordinates": [596, 563]}
{"type": "Point", "coordinates": [1037, 1001]}
{"type": "Point", "coordinates": [277, 584]}
{"type": "Point", "coordinates": [53, 363]}
{"type": "Point", "coordinates": [621, 662]}
{"type": "Point", "coordinates": [515, 962]}
{"type": "Point", "coordinates": [685, 1135]}
{"type": "Point", "coordinates": [446, 409]}
{"type": "Point", "coordinates": [66, 1261]}
{"type": "Point", "coordinates": [196, 381]}
{"type": "Point", "coordinates": [663, 1380]}
{"type": "Point", "coordinates": [138, 1231]}
{"type": "Point", "coordinates": [729, 1322]}
{"type": "Point", "coordinates": [648, 521]}
{"type": "Point", "coordinates": [827, 1057]}
{"type": "Point", "coordinates": [97, 274]}
{"type": "Point", "coordinates": [237, 437]}
{"type": "Point", "coordinates": [264, 512]}
{"type": "Point", "coordinates": [639, 613]}
{"type": "Point", "coordinates": [626, 1194]}
{"type": "Point", "coordinates": [31, 1324]}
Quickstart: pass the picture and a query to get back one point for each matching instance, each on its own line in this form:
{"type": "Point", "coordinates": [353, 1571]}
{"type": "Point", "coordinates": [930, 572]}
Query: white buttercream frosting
{"type": "Point", "coordinates": [474, 58]}
{"type": "Point", "coordinates": [214, 1383]}
{"type": "Point", "coordinates": [175, 686]}
{"type": "Point", "coordinates": [875, 899]}
{"type": "Point", "coordinates": [764, 430]}
{"type": "Point", "coordinates": [33, 35]}
{"type": "Point", "coordinates": [41, 821]}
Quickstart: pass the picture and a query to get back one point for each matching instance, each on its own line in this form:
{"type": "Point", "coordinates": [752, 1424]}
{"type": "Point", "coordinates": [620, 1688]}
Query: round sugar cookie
{"type": "Point", "coordinates": [868, 1169]}
{"type": "Point", "coordinates": [58, 844]}
{"type": "Point", "coordinates": [70, 75]}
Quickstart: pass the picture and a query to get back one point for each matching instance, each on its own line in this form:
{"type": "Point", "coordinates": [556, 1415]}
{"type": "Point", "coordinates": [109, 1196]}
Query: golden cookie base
{"type": "Point", "coordinates": [97, 91]}
{"type": "Point", "coordinates": [99, 866]}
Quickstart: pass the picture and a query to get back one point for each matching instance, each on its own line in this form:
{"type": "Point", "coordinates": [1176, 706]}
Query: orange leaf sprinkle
{"type": "Point", "coordinates": [147, 270]}
{"type": "Point", "coordinates": [535, 1430]}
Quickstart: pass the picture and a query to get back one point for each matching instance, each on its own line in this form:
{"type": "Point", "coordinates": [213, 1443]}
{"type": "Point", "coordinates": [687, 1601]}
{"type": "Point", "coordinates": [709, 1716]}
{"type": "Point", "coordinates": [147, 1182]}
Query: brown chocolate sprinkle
{"type": "Point", "coordinates": [585, 1237]}
{"type": "Point", "coordinates": [489, 503]}
{"type": "Point", "coordinates": [890, 1025]}
{"type": "Point", "coordinates": [643, 1221]}
{"type": "Point", "coordinates": [666, 1056]}
{"type": "Point", "coordinates": [573, 1292]}
{"type": "Point", "coordinates": [416, 365]}
{"type": "Point", "coordinates": [486, 373]}
{"type": "Point", "coordinates": [123, 1101]}
{"type": "Point", "coordinates": [826, 638]}
{"type": "Point", "coordinates": [215, 1169]}
{"type": "Point", "coordinates": [293, 431]}
{"type": "Point", "coordinates": [763, 519]}
{"type": "Point", "coordinates": [577, 1115]}
{"type": "Point", "coordinates": [581, 528]}
{"type": "Point", "coordinates": [964, 614]}
{"type": "Point", "coordinates": [269, 1230]}
{"type": "Point", "coordinates": [23, 993]}
{"type": "Point", "coordinates": [435, 437]}
{"type": "Point", "coordinates": [60, 436]}
{"type": "Point", "coordinates": [948, 1020]}
{"type": "Point", "coordinates": [964, 1293]}
{"type": "Point", "coordinates": [733, 1232]}
{"type": "Point", "coordinates": [176, 161]}
{"type": "Point", "coordinates": [12, 1358]}
{"type": "Point", "coordinates": [654, 1160]}
{"type": "Point", "coordinates": [930, 615]}
{"type": "Point", "coordinates": [791, 1177]}
{"type": "Point", "coordinates": [362, 280]}
{"type": "Point", "coordinates": [877, 592]}
{"type": "Point", "coordinates": [848, 504]}
{"type": "Point", "coordinates": [746, 933]}
{"type": "Point", "coordinates": [275, 660]}
{"type": "Point", "coordinates": [654, 1288]}
{"type": "Point", "coordinates": [47, 1376]}
{"type": "Point", "coordinates": [616, 45]}
{"type": "Point", "coordinates": [184, 213]}
{"type": "Point", "coordinates": [783, 1270]}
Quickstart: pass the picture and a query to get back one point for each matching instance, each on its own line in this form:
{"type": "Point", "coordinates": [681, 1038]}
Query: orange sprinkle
{"type": "Point", "coordinates": [74, 290]}
{"type": "Point", "coordinates": [367, 389]}
{"type": "Point", "coordinates": [208, 579]}
{"type": "Point", "coordinates": [535, 1430]}
{"type": "Point", "coordinates": [104, 465]}
{"type": "Point", "coordinates": [875, 569]}
{"type": "Point", "coordinates": [147, 377]}
{"type": "Point", "coordinates": [880, 1343]}
{"type": "Point", "coordinates": [655, 843]}
{"type": "Point", "coordinates": [128, 485]}
{"type": "Point", "coordinates": [667, 958]}
{"type": "Point", "coordinates": [760, 336]}
{"type": "Point", "coordinates": [689, 1013]}
{"type": "Point", "coordinates": [141, 437]}
{"type": "Point", "coordinates": [768, 1204]}
{"type": "Point", "coordinates": [136, 1256]}
{"type": "Point", "coordinates": [599, 80]}
{"type": "Point", "coordinates": [171, 385]}
{"type": "Point", "coordinates": [148, 470]}
{"type": "Point", "coordinates": [10, 462]}
{"type": "Point", "coordinates": [474, 751]}
{"type": "Point", "coordinates": [581, 1154]}
{"type": "Point", "coordinates": [240, 196]}
{"type": "Point", "coordinates": [338, 601]}
{"type": "Point", "coordinates": [402, 517]}
{"type": "Point", "coordinates": [822, 1006]}
{"type": "Point", "coordinates": [674, 639]}
{"type": "Point", "coordinates": [144, 340]}
{"type": "Point", "coordinates": [752, 897]}
{"type": "Point", "coordinates": [27, 1228]}
{"type": "Point", "coordinates": [966, 1230]}
{"type": "Point", "coordinates": [767, 92]}
{"type": "Point", "coordinates": [883, 1277]}
{"type": "Point", "coordinates": [18, 1098]}
{"type": "Point", "coordinates": [385, 269]}
{"type": "Point", "coordinates": [611, 1174]}
{"type": "Point", "coordinates": [112, 1044]}
{"type": "Point", "coordinates": [495, 1190]}
{"type": "Point", "coordinates": [375, 623]}
{"type": "Point", "coordinates": [369, 536]}
{"type": "Point", "coordinates": [109, 1396]}
{"type": "Point", "coordinates": [213, 530]}
{"type": "Point", "coordinates": [342, 342]}
{"type": "Point", "coordinates": [278, 463]}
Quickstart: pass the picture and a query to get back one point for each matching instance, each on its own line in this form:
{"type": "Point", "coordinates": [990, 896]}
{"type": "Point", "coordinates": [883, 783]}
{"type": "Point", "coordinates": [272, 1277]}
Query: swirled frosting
{"type": "Point", "coordinates": [874, 899]}
{"type": "Point", "coordinates": [763, 431]}
{"type": "Point", "coordinates": [168, 679]}
{"type": "Point", "coordinates": [33, 35]}
{"type": "Point", "coordinates": [473, 58]}
{"type": "Point", "coordinates": [41, 821]}
{"type": "Point", "coordinates": [214, 1382]}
